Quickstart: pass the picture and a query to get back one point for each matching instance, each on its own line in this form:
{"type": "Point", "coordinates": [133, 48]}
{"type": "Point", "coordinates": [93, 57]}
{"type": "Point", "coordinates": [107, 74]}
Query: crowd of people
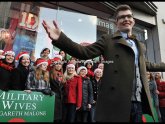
{"type": "Point", "coordinates": [73, 82]}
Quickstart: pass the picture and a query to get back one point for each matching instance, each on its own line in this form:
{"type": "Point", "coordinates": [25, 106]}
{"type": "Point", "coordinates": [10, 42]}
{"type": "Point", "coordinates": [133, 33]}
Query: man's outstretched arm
{"type": "Point", "coordinates": [60, 40]}
{"type": "Point", "coordinates": [154, 67]}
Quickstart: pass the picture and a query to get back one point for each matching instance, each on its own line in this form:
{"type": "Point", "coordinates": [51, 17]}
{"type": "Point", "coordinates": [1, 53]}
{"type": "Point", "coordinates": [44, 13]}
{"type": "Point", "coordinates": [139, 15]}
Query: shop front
{"type": "Point", "coordinates": [84, 22]}
{"type": "Point", "coordinates": [21, 27]}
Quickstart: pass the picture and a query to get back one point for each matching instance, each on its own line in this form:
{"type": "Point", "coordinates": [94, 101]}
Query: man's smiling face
{"type": "Point", "coordinates": [125, 21]}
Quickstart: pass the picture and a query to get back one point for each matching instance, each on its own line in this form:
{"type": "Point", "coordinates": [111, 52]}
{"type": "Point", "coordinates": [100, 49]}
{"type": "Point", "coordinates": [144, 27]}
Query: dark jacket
{"type": "Point", "coordinates": [114, 98]}
{"type": "Point", "coordinates": [5, 75]}
{"type": "Point", "coordinates": [58, 89]}
{"type": "Point", "coordinates": [154, 95]}
{"type": "Point", "coordinates": [87, 93]}
{"type": "Point", "coordinates": [95, 86]}
{"type": "Point", "coordinates": [19, 77]}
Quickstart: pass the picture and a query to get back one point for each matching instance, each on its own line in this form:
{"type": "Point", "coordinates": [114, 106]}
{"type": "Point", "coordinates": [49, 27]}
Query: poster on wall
{"type": "Point", "coordinates": [26, 33]}
{"type": "Point", "coordinates": [19, 106]}
{"type": "Point", "coordinates": [79, 27]}
{"type": "Point", "coordinates": [24, 42]}
{"type": "Point", "coordinates": [21, 33]}
{"type": "Point", "coordinates": [7, 34]}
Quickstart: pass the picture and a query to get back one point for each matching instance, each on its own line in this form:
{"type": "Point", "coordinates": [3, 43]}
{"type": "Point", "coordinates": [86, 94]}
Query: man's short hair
{"type": "Point", "coordinates": [122, 7]}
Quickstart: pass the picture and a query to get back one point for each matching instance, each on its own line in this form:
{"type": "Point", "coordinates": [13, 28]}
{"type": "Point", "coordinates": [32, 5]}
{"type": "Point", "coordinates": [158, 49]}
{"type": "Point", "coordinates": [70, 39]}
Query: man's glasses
{"type": "Point", "coordinates": [129, 16]}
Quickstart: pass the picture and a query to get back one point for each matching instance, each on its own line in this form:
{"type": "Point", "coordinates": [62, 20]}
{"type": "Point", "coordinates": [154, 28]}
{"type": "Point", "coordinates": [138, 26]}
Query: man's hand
{"type": "Point", "coordinates": [53, 33]}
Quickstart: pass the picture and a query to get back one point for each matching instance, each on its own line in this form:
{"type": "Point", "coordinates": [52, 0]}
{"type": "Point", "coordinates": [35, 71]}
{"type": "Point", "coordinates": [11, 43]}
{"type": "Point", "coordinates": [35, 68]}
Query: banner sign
{"type": "Point", "coordinates": [20, 106]}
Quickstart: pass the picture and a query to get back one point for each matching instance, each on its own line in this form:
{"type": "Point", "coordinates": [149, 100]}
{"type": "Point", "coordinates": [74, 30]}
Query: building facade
{"type": "Point", "coordinates": [84, 22]}
{"type": "Point", "coordinates": [161, 29]}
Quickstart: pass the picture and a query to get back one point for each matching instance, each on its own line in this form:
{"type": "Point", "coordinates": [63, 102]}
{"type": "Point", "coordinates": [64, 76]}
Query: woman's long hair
{"type": "Point", "coordinates": [65, 57]}
{"type": "Point", "coordinates": [41, 73]}
{"type": "Point", "coordinates": [20, 64]}
{"type": "Point", "coordinates": [56, 74]}
{"type": "Point", "coordinates": [151, 76]}
{"type": "Point", "coordinates": [67, 77]}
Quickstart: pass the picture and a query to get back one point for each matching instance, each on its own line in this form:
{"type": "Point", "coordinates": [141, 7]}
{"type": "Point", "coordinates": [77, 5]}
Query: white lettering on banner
{"type": "Point", "coordinates": [20, 113]}
{"type": "Point", "coordinates": [11, 96]}
{"type": "Point", "coordinates": [8, 104]}
{"type": "Point", "coordinates": [15, 105]}
{"type": "Point", "coordinates": [20, 106]}
{"type": "Point", "coordinates": [9, 100]}
{"type": "Point", "coordinates": [2, 95]}
{"type": "Point", "coordinates": [11, 113]}
{"type": "Point", "coordinates": [35, 113]}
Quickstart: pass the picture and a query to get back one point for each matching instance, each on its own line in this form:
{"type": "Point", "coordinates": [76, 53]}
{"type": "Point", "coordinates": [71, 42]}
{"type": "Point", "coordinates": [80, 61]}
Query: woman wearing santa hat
{"type": "Point", "coordinates": [38, 79]}
{"type": "Point", "coordinates": [19, 74]}
{"type": "Point", "coordinates": [73, 92]}
{"type": "Point", "coordinates": [64, 59]}
{"type": "Point", "coordinates": [57, 85]}
{"type": "Point", "coordinates": [89, 65]}
{"type": "Point", "coordinates": [45, 53]}
{"type": "Point", "coordinates": [6, 67]}
{"type": "Point", "coordinates": [96, 81]}
{"type": "Point", "coordinates": [87, 96]}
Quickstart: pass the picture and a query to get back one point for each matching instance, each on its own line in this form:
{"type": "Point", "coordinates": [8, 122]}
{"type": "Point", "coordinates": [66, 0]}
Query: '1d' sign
{"type": "Point", "coordinates": [29, 21]}
{"type": "Point", "coordinates": [19, 106]}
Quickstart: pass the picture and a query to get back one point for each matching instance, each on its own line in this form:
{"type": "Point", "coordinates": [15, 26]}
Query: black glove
{"type": "Point", "coordinates": [47, 92]}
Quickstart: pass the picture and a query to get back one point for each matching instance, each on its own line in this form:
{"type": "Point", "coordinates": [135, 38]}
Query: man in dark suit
{"type": "Point", "coordinates": [124, 93]}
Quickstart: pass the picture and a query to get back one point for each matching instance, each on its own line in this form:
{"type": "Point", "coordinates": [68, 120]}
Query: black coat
{"type": "Point", "coordinates": [19, 77]}
{"type": "Point", "coordinates": [5, 77]}
{"type": "Point", "coordinates": [58, 89]}
{"type": "Point", "coordinates": [115, 91]}
{"type": "Point", "coordinates": [95, 86]}
{"type": "Point", "coordinates": [87, 93]}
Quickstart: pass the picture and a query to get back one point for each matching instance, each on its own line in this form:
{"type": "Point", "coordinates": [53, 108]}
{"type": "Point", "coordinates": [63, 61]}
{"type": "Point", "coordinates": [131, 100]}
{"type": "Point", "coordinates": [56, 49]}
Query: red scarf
{"type": "Point", "coordinates": [90, 73]}
{"type": "Point", "coordinates": [6, 66]}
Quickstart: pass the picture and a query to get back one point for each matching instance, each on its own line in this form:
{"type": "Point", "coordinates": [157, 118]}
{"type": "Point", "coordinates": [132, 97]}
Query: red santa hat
{"type": "Point", "coordinates": [55, 59]}
{"type": "Point", "coordinates": [88, 61]}
{"type": "Point", "coordinates": [40, 61]}
{"type": "Point", "coordinates": [70, 65]}
{"type": "Point", "coordinates": [21, 54]}
{"type": "Point", "coordinates": [9, 52]}
{"type": "Point", "coordinates": [97, 69]}
{"type": "Point", "coordinates": [80, 68]}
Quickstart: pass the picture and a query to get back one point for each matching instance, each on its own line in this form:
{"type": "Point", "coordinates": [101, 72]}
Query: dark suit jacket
{"type": "Point", "coordinates": [114, 98]}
